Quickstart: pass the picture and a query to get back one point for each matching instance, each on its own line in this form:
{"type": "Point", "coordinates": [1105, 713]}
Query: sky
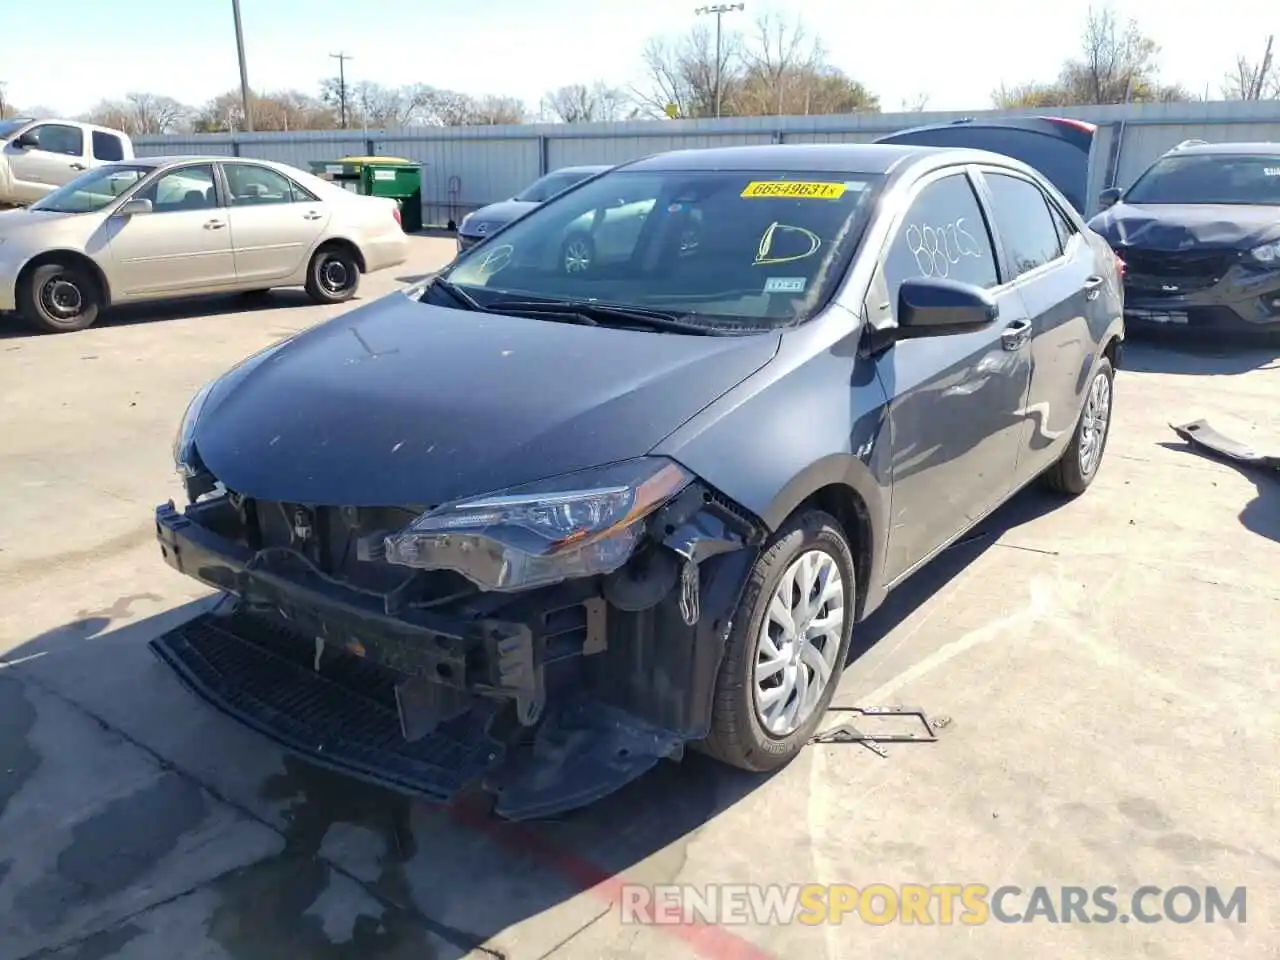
{"type": "Point", "coordinates": [954, 54]}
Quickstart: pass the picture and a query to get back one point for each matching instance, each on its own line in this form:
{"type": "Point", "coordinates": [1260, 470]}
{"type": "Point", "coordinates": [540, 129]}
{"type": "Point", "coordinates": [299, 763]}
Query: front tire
{"type": "Point", "coordinates": [59, 298]}
{"type": "Point", "coordinates": [1080, 462]}
{"type": "Point", "coordinates": [787, 649]}
{"type": "Point", "coordinates": [333, 276]}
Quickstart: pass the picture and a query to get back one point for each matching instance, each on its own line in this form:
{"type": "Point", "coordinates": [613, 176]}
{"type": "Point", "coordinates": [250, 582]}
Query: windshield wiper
{"type": "Point", "coordinates": [458, 294]}
{"type": "Point", "coordinates": [607, 313]}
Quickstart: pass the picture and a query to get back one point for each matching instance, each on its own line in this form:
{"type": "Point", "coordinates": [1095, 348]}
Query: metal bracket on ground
{"type": "Point", "coordinates": [848, 733]}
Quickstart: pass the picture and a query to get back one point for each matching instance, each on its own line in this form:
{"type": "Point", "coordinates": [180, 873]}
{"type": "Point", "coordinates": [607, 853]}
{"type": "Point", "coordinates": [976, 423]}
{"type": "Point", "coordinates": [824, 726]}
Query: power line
{"type": "Point", "coordinates": [244, 71]}
{"type": "Point", "coordinates": [342, 59]}
{"type": "Point", "coordinates": [719, 9]}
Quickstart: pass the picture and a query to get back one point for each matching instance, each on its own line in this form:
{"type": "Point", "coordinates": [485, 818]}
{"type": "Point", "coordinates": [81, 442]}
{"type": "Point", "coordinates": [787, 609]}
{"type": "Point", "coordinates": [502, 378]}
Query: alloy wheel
{"type": "Point", "coordinates": [577, 256]}
{"type": "Point", "coordinates": [798, 643]}
{"type": "Point", "coordinates": [1093, 427]}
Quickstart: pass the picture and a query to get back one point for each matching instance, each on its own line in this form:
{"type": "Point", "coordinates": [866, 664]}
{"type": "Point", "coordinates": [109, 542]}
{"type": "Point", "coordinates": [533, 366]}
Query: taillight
{"type": "Point", "coordinates": [1120, 267]}
{"type": "Point", "coordinates": [395, 212]}
{"type": "Point", "coordinates": [1083, 125]}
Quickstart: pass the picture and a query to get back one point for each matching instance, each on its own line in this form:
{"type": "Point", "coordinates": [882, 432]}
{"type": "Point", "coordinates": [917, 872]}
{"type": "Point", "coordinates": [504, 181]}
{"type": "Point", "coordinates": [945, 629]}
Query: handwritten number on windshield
{"type": "Point", "coordinates": [939, 248]}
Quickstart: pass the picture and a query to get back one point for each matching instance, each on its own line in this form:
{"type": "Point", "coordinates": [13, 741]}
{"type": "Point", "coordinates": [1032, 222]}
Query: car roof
{"type": "Point", "coordinates": [173, 160]}
{"type": "Point", "coordinates": [866, 158]}
{"type": "Point", "coordinates": [583, 168]}
{"type": "Point", "coordinates": [1260, 149]}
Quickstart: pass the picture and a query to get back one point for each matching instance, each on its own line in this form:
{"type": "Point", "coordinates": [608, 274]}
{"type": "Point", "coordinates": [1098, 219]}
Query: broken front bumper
{"type": "Point", "coordinates": [1226, 296]}
{"type": "Point", "coordinates": [434, 704]}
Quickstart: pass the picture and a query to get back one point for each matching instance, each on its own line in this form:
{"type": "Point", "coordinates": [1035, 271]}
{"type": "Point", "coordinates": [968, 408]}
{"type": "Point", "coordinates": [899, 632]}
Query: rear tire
{"type": "Point", "coordinates": [333, 276]}
{"type": "Point", "coordinates": [1080, 462]}
{"type": "Point", "coordinates": [59, 297]}
{"type": "Point", "coordinates": [750, 728]}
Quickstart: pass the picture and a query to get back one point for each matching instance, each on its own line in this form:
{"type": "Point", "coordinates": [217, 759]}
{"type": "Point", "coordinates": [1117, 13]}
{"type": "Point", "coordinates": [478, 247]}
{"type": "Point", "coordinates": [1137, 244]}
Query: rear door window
{"type": "Point", "coordinates": [1022, 217]}
{"type": "Point", "coordinates": [107, 147]}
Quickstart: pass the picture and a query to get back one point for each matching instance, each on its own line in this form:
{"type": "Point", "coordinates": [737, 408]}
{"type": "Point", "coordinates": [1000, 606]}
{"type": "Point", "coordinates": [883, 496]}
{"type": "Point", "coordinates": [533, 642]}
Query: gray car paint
{"type": "Point", "coordinates": [918, 481]}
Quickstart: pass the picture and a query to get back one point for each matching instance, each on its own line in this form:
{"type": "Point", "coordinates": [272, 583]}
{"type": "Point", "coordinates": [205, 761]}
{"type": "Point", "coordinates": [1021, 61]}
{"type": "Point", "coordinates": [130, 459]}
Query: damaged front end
{"type": "Point", "coordinates": [547, 644]}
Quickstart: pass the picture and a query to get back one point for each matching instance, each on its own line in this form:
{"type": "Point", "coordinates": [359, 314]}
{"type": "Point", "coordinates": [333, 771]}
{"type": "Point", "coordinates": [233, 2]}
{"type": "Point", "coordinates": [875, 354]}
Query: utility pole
{"type": "Point", "coordinates": [244, 71]}
{"type": "Point", "coordinates": [342, 59]}
{"type": "Point", "coordinates": [719, 9]}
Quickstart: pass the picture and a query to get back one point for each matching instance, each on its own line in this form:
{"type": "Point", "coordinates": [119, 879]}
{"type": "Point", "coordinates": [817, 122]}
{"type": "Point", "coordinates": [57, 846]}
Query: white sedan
{"type": "Point", "coordinates": [162, 227]}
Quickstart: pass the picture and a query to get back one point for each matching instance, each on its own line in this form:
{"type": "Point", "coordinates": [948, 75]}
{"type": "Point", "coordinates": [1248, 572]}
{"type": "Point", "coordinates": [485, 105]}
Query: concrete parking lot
{"type": "Point", "coordinates": [1109, 666]}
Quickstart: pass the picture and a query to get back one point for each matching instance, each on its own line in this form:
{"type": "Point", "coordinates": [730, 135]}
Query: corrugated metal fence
{"type": "Point", "coordinates": [467, 167]}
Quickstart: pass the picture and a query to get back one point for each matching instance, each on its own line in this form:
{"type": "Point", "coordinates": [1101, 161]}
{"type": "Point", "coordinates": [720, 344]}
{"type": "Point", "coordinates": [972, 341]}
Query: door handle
{"type": "Point", "coordinates": [1093, 287]}
{"type": "Point", "coordinates": [214, 224]}
{"type": "Point", "coordinates": [312, 215]}
{"type": "Point", "coordinates": [78, 166]}
{"type": "Point", "coordinates": [1016, 335]}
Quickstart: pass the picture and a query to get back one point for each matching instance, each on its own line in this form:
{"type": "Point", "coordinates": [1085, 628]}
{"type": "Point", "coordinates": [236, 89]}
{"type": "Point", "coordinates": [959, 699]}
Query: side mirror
{"type": "Point", "coordinates": [1109, 197]}
{"type": "Point", "coordinates": [26, 141]}
{"type": "Point", "coordinates": [131, 208]}
{"type": "Point", "coordinates": [934, 307]}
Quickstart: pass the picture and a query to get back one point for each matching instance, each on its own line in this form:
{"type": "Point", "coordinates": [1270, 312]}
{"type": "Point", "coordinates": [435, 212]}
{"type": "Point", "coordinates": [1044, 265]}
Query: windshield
{"type": "Point", "coordinates": [92, 191]}
{"type": "Point", "coordinates": [1209, 178]}
{"type": "Point", "coordinates": [9, 127]}
{"type": "Point", "coordinates": [751, 248]}
{"type": "Point", "coordinates": [544, 188]}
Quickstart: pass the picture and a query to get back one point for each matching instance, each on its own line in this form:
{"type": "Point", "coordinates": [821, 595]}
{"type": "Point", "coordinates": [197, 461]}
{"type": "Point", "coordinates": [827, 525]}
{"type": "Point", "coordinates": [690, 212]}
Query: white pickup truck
{"type": "Point", "coordinates": [38, 156]}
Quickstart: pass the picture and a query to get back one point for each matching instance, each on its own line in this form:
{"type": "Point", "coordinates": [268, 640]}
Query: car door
{"type": "Point", "coordinates": [182, 246]}
{"type": "Point", "coordinates": [274, 222]}
{"type": "Point", "coordinates": [955, 407]}
{"type": "Point", "coordinates": [56, 159]}
{"type": "Point", "coordinates": [1054, 272]}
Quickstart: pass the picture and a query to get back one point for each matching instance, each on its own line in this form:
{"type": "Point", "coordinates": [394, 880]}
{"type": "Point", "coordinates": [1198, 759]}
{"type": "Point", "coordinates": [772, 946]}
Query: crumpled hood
{"type": "Point", "coordinates": [1171, 227]}
{"type": "Point", "coordinates": [399, 403]}
{"type": "Point", "coordinates": [499, 214]}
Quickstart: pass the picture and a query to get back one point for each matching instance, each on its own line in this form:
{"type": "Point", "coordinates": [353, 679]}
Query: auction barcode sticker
{"type": "Point", "coordinates": [806, 189]}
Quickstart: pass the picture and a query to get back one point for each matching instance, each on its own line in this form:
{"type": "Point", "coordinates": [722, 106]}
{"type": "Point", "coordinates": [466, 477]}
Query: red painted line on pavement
{"type": "Point", "coordinates": [709, 940]}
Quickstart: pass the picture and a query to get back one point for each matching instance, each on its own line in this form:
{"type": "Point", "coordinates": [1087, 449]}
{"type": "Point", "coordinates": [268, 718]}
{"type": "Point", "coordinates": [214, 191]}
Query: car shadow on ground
{"type": "Point", "coordinates": [1200, 355]}
{"type": "Point", "coordinates": [1261, 515]}
{"type": "Point", "coordinates": [11, 327]}
{"type": "Point", "coordinates": [454, 869]}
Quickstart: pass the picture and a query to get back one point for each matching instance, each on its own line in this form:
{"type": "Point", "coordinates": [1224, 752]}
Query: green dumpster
{"type": "Point", "coordinates": [391, 177]}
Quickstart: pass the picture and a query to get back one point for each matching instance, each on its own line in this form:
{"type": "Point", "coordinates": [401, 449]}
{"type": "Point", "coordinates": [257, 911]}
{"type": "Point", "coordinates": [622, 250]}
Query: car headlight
{"type": "Point", "coordinates": [568, 527]}
{"type": "Point", "coordinates": [1267, 253]}
{"type": "Point", "coordinates": [184, 457]}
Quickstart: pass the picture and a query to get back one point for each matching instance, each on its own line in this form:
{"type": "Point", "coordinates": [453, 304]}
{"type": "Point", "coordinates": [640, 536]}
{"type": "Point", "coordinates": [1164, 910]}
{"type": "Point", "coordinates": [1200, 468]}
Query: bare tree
{"type": "Point", "coordinates": [779, 68]}
{"type": "Point", "coordinates": [140, 114]}
{"type": "Point", "coordinates": [1117, 63]}
{"type": "Point", "coordinates": [579, 103]}
{"type": "Point", "coordinates": [777, 61]}
{"type": "Point", "coordinates": [914, 104]}
{"type": "Point", "coordinates": [1029, 95]}
{"type": "Point", "coordinates": [1253, 81]}
{"type": "Point", "coordinates": [680, 75]}
{"type": "Point", "coordinates": [492, 110]}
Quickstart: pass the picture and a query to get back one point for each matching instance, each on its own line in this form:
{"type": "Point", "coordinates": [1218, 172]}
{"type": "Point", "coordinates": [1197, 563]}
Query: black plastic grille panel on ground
{"type": "Point", "coordinates": [344, 718]}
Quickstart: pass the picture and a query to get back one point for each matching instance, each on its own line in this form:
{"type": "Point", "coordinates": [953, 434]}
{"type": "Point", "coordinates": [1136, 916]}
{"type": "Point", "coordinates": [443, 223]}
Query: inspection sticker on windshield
{"type": "Point", "coordinates": [803, 189]}
{"type": "Point", "coordinates": [785, 285]}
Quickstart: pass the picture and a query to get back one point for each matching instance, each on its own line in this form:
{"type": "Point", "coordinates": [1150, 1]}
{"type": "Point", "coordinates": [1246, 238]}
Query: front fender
{"type": "Point", "coordinates": [813, 418]}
